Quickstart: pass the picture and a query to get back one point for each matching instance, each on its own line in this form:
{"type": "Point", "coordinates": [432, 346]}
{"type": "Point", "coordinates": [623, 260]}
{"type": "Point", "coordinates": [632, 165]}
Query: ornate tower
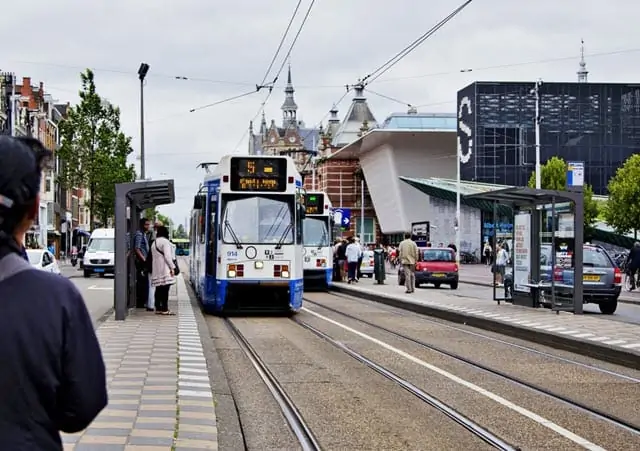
{"type": "Point", "coordinates": [289, 107]}
{"type": "Point", "coordinates": [582, 71]}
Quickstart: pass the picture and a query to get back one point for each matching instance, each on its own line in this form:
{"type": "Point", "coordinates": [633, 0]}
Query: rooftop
{"type": "Point", "coordinates": [421, 121]}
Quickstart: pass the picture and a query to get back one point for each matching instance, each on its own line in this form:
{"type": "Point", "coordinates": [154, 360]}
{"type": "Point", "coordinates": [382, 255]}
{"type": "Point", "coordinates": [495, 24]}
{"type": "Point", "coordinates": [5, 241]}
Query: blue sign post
{"type": "Point", "coordinates": [342, 216]}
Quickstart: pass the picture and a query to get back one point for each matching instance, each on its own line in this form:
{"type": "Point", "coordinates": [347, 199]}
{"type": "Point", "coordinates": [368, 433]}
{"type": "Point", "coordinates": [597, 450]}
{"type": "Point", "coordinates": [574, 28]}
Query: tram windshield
{"type": "Point", "coordinates": [316, 231]}
{"type": "Point", "coordinates": [258, 220]}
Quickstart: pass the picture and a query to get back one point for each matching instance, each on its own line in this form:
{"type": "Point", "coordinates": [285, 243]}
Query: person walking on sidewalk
{"type": "Point", "coordinates": [353, 254]}
{"type": "Point", "coordinates": [162, 272]}
{"type": "Point", "coordinates": [52, 376]}
{"type": "Point", "coordinates": [408, 252]}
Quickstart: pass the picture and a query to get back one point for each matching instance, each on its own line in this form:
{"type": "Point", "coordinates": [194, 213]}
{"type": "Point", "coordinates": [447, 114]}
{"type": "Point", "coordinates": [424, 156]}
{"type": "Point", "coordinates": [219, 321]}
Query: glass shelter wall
{"type": "Point", "coordinates": [598, 123]}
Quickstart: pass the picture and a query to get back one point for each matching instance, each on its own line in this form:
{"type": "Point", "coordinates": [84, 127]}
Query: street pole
{"type": "Point", "coordinates": [142, 73]}
{"type": "Point", "coordinates": [536, 90]}
{"type": "Point", "coordinates": [13, 104]}
{"type": "Point", "coordinates": [313, 173]}
{"type": "Point", "coordinates": [362, 210]}
{"type": "Point", "coordinates": [458, 188]}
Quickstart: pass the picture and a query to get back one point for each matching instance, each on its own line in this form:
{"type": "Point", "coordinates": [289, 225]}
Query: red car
{"type": "Point", "coordinates": [437, 266]}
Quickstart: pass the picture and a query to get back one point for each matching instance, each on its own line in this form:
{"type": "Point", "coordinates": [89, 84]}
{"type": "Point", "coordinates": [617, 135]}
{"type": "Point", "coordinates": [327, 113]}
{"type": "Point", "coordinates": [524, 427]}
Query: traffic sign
{"type": "Point", "coordinates": [575, 174]}
{"type": "Point", "coordinates": [342, 216]}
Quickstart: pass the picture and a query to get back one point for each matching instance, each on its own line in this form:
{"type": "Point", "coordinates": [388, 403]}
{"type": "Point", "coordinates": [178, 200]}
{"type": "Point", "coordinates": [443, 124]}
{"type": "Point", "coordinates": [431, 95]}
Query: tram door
{"type": "Point", "coordinates": [212, 237]}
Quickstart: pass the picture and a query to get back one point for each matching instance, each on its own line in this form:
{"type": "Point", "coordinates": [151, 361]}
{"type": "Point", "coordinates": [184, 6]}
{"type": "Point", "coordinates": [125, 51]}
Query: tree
{"type": "Point", "coordinates": [554, 176]}
{"type": "Point", "coordinates": [151, 214]}
{"type": "Point", "coordinates": [94, 149]}
{"type": "Point", "coordinates": [180, 232]}
{"type": "Point", "coordinates": [165, 220]}
{"type": "Point", "coordinates": [622, 211]}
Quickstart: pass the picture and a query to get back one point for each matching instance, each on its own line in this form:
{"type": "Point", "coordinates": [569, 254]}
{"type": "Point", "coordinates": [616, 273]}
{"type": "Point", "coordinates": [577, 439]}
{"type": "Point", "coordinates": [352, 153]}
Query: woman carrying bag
{"type": "Point", "coordinates": [163, 271]}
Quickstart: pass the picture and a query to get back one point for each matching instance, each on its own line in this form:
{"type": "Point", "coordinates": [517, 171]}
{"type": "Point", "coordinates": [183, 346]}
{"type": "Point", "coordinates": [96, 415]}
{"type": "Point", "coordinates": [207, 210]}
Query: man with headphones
{"type": "Point", "coordinates": [52, 375]}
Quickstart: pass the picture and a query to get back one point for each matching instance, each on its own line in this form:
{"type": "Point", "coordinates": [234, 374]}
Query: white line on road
{"type": "Point", "coordinates": [96, 287]}
{"type": "Point", "coordinates": [494, 397]}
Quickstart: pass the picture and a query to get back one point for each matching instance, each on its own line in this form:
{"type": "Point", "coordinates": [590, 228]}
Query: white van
{"type": "Point", "coordinates": [100, 256]}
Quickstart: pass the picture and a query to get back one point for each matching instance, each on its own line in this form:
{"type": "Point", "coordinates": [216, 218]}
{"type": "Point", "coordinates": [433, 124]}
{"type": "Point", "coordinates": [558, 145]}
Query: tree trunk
{"type": "Point", "coordinates": [92, 204]}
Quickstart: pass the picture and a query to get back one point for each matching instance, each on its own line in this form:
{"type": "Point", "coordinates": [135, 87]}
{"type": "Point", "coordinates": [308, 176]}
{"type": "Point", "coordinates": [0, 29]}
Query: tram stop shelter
{"type": "Point", "coordinates": [131, 200]}
{"type": "Point", "coordinates": [532, 282]}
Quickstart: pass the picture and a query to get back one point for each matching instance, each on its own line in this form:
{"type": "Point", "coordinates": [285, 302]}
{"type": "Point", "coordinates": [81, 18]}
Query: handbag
{"type": "Point", "coordinates": [176, 268]}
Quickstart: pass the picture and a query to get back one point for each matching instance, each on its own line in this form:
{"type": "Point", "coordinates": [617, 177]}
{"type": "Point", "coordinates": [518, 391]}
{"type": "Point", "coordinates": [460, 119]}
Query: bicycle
{"type": "Point", "coordinates": [627, 278]}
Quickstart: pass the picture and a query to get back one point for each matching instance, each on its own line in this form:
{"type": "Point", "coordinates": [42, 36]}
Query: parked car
{"type": "Point", "coordinates": [436, 266]}
{"type": "Point", "coordinates": [602, 278]}
{"type": "Point", "coordinates": [43, 260]}
{"type": "Point", "coordinates": [366, 267]}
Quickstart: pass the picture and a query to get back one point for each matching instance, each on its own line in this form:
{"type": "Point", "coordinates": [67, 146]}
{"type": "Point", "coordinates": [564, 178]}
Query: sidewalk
{"type": "Point", "coordinates": [586, 334]}
{"type": "Point", "coordinates": [159, 390]}
{"type": "Point", "coordinates": [481, 275]}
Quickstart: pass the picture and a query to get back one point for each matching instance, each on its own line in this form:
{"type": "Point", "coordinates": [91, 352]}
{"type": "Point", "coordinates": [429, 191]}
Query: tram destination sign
{"type": "Point", "coordinates": [258, 174]}
{"type": "Point", "coordinates": [314, 204]}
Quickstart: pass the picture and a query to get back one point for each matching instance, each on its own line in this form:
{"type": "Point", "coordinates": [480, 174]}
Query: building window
{"type": "Point", "coordinates": [47, 185]}
{"type": "Point", "coordinates": [369, 230]}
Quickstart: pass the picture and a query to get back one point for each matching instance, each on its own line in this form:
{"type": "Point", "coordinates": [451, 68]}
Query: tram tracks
{"type": "Point", "coordinates": [299, 425]}
{"type": "Point", "coordinates": [296, 422]}
{"type": "Point", "coordinates": [589, 410]}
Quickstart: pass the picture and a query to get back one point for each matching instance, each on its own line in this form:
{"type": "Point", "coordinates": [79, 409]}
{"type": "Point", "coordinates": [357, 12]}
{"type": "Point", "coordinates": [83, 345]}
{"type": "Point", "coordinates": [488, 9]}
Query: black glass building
{"type": "Point", "coordinates": [597, 123]}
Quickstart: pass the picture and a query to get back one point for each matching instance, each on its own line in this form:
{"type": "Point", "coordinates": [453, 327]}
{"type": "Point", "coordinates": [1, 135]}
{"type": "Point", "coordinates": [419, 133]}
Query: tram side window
{"type": "Point", "coordinates": [299, 221]}
{"type": "Point", "coordinates": [212, 242]}
{"type": "Point", "coordinates": [201, 227]}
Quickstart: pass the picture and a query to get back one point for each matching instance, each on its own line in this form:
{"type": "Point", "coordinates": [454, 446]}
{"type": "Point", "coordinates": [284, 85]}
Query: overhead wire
{"type": "Point", "coordinates": [284, 37]}
{"type": "Point", "coordinates": [371, 77]}
{"type": "Point", "coordinates": [284, 61]}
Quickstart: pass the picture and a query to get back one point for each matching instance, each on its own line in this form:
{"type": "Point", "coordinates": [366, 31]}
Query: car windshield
{"type": "Point", "coordinates": [34, 257]}
{"type": "Point", "coordinates": [592, 257]}
{"type": "Point", "coordinates": [437, 255]}
{"type": "Point", "coordinates": [101, 245]}
{"type": "Point", "coordinates": [258, 220]}
{"type": "Point", "coordinates": [316, 231]}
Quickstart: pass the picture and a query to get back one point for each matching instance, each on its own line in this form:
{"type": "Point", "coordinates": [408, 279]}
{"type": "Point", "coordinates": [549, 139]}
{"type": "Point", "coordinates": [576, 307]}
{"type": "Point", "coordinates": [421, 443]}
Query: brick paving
{"type": "Point", "coordinates": [160, 395]}
{"type": "Point", "coordinates": [588, 328]}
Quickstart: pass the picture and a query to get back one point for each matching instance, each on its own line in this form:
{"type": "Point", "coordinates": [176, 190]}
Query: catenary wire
{"type": "Point", "coordinates": [284, 61]}
{"type": "Point", "coordinates": [284, 37]}
{"type": "Point", "coordinates": [371, 77]}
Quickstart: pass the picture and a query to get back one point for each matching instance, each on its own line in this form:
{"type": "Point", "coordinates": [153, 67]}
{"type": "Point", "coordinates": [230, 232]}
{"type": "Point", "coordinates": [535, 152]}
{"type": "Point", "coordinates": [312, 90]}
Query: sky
{"type": "Point", "coordinates": [224, 49]}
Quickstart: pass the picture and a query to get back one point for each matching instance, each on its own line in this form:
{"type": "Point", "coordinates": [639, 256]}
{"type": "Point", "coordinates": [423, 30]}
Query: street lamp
{"type": "Point", "coordinates": [142, 73]}
{"type": "Point", "coordinates": [536, 91]}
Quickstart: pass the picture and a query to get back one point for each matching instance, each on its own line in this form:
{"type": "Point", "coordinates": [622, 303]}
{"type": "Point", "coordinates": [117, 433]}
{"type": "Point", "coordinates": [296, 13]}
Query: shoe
{"type": "Point", "coordinates": [150, 309]}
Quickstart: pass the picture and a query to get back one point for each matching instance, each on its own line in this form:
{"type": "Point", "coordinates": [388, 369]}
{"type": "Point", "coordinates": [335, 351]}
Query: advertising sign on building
{"type": "Point", "coordinates": [522, 252]}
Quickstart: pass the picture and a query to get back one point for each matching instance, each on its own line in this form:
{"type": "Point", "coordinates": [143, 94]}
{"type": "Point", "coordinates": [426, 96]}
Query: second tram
{"type": "Point", "coordinates": [246, 242]}
{"type": "Point", "coordinates": [318, 242]}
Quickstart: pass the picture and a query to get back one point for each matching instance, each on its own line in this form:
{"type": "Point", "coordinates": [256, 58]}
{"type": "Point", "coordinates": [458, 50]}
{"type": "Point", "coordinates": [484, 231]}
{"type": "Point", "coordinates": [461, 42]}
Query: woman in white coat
{"type": "Point", "coordinates": [162, 272]}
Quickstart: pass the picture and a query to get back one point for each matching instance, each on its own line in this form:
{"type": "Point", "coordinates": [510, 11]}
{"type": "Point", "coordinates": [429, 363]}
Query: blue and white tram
{"type": "Point", "coordinates": [249, 250]}
{"type": "Point", "coordinates": [318, 242]}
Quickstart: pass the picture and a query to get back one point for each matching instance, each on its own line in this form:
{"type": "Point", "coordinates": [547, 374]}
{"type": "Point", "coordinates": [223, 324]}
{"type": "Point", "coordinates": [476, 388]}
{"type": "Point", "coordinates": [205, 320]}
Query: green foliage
{"type": "Point", "coordinates": [622, 211]}
{"type": "Point", "coordinates": [165, 220]}
{"type": "Point", "coordinates": [554, 176]}
{"type": "Point", "coordinates": [94, 149]}
{"type": "Point", "coordinates": [179, 232]}
{"type": "Point", "coordinates": [151, 214]}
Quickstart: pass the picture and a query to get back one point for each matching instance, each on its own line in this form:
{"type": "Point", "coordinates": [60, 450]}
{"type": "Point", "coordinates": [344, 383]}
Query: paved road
{"type": "Point", "coordinates": [97, 292]}
{"type": "Point", "coordinates": [629, 313]}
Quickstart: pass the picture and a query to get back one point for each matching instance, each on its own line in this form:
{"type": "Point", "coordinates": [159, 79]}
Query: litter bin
{"type": "Point", "coordinates": [379, 271]}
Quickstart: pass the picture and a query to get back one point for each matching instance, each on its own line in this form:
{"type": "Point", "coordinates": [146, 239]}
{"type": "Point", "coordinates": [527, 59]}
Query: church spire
{"type": "Point", "coordinates": [289, 107]}
{"type": "Point", "coordinates": [582, 71]}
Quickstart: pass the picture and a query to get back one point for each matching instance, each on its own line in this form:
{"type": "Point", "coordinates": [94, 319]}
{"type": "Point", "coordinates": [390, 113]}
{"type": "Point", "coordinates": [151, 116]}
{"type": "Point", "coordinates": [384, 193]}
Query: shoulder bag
{"type": "Point", "coordinates": [176, 268]}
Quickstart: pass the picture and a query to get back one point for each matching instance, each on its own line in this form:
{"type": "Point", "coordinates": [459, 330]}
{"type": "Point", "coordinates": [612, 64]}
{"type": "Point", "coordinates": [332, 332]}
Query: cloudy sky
{"type": "Point", "coordinates": [224, 49]}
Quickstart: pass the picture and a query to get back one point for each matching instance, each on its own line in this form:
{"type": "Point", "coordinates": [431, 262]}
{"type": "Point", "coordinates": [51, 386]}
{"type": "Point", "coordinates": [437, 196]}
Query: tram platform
{"type": "Point", "coordinates": [160, 395]}
{"type": "Point", "coordinates": [594, 336]}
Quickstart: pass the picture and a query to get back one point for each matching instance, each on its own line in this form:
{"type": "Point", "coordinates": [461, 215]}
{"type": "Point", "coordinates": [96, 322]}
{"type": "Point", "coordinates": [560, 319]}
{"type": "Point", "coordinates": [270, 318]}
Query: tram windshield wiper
{"type": "Point", "coordinates": [284, 235]}
{"type": "Point", "coordinates": [234, 237]}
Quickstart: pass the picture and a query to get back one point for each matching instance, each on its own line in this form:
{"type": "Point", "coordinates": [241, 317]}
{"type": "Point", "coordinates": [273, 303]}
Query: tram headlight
{"type": "Point", "coordinates": [231, 274]}
{"type": "Point", "coordinates": [285, 274]}
{"type": "Point", "coordinates": [259, 264]}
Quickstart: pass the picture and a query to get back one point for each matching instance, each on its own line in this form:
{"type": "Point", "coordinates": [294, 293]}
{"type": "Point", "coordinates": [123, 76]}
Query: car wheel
{"type": "Point", "coordinates": [608, 307]}
{"type": "Point", "coordinates": [87, 274]}
{"type": "Point", "coordinates": [454, 286]}
{"type": "Point", "coordinates": [437, 285]}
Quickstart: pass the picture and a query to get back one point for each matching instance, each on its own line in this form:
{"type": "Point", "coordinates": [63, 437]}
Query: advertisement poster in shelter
{"type": "Point", "coordinates": [522, 252]}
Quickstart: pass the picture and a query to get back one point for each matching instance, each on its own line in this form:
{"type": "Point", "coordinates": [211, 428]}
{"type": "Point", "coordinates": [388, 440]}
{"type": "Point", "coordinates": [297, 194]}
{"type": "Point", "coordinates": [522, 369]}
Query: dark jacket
{"type": "Point", "coordinates": [634, 258]}
{"type": "Point", "coordinates": [52, 376]}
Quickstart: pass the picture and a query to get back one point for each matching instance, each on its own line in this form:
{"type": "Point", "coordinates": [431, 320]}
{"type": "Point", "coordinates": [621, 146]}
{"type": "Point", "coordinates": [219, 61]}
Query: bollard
{"type": "Point", "coordinates": [379, 271]}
